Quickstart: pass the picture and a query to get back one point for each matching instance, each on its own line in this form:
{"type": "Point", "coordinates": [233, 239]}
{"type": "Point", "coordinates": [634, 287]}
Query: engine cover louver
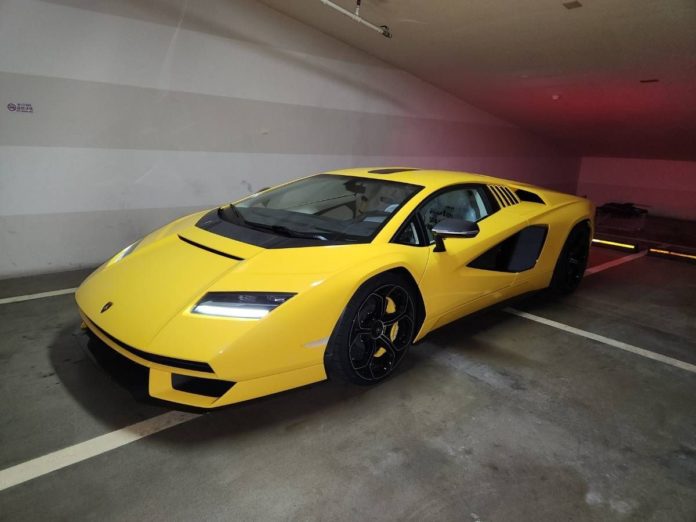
{"type": "Point", "coordinates": [504, 195]}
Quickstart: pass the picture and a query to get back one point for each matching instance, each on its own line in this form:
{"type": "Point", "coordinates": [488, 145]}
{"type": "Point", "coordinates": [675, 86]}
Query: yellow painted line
{"type": "Point", "coordinates": [670, 253]}
{"type": "Point", "coordinates": [614, 243]}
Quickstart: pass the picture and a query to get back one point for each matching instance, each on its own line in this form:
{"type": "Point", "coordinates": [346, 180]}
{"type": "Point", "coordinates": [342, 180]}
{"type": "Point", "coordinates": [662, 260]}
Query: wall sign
{"type": "Point", "coordinates": [20, 107]}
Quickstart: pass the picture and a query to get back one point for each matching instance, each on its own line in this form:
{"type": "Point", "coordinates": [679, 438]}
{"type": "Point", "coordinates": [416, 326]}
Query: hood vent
{"type": "Point", "coordinates": [211, 250]}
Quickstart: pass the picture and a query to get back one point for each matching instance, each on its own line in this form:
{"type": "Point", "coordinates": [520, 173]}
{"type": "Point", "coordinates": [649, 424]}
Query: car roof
{"type": "Point", "coordinates": [431, 179]}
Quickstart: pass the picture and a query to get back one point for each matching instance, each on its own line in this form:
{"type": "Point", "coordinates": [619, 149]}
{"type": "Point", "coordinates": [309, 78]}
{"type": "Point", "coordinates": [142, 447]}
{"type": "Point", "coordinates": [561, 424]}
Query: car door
{"type": "Point", "coordinates": [450, 286]}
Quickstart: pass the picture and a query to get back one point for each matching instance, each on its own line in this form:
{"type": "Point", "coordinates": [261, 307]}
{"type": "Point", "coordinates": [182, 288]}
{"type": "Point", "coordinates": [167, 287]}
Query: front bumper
{"type": "Point", "coordinates": [194, 383]}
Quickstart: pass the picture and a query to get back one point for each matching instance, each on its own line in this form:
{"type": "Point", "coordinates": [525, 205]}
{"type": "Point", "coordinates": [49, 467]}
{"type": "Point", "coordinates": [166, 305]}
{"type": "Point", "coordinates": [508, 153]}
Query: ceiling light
{"type": "Point", "coordinates": [383, 29]}
{"type": "Point", "coordinates": [650, 80]}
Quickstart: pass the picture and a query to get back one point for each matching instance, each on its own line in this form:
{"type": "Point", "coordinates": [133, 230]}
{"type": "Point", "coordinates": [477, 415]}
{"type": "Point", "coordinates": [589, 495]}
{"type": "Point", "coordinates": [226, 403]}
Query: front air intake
{"type": "Point", "coordinates": [525, 195]}
{"type": "Point", "coordinates": [200, 385]}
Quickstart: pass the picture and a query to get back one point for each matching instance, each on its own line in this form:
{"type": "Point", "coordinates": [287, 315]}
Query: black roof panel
{"type": "Point", "coordinates": [389, 171]}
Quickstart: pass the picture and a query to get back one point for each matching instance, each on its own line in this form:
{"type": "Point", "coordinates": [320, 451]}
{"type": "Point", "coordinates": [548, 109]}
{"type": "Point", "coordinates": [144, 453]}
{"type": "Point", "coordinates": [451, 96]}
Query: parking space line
{"type": "Point", "coordinates": [90, 448]}
{"type": "Point", "coordinates": [614, 262]}
{"type": "Point", "coordinates": [29, 297]}
{"type": "Point", "coordinates": [59, 459]}
{"type": "Point", "coordinates": [605, 340]}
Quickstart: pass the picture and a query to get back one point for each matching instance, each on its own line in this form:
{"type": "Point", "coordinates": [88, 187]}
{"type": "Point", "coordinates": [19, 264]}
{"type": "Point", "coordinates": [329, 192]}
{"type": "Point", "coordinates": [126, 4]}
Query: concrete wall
{"type": "Point", "coordinates": [144, 111]}
{"type": "Point", "coordinates": [666, 188]}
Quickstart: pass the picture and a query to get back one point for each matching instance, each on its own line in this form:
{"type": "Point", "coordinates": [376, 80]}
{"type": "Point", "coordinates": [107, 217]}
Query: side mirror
{"type": "Point", "coordinates": [453, 228]}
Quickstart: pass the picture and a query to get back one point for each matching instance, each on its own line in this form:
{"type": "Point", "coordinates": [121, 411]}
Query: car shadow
{"type": "Point", "coordinates": [111, 385]}
{"type": "Point", "coordinates": [106, 389]}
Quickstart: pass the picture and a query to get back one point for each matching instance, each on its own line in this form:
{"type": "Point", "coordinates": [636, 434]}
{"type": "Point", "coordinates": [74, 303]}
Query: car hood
{"type": "Point", "coordinates": [173, 268]}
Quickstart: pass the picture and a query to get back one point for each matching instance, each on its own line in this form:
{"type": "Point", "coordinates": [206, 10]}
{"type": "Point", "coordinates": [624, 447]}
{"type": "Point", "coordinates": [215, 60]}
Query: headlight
{"type": "Point", "coordinates": [243, 305]}
{"type": "Point", "coordinates": [123, 253]}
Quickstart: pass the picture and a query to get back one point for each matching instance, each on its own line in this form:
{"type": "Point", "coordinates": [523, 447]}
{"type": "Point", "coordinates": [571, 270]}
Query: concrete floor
{"type": "Point", "coordinates": [493, 418]}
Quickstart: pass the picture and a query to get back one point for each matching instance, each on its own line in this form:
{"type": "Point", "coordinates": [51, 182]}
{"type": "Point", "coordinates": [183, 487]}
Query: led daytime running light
{"type": "Point", "coordinates": [241, 305]}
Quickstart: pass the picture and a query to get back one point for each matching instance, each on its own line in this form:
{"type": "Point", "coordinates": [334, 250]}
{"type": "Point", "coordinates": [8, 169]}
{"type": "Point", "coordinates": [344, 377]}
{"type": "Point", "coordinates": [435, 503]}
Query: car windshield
{"type": "Point", "coordinates": [325, 207]}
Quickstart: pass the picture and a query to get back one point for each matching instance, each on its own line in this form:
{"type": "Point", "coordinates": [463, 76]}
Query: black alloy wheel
{"type": "Point", "coordinates": [572, 261]}
{"type": "Point", "coordinates": [374, 333]}
{"type": "Point", "coordinates": [381, 331]}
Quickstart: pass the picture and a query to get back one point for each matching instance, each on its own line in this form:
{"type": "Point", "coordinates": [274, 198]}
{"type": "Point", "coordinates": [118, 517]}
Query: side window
{"type": "Point", "coordinates": [408, 234]}
{"type": "Point", "coordinates": [468, 203]}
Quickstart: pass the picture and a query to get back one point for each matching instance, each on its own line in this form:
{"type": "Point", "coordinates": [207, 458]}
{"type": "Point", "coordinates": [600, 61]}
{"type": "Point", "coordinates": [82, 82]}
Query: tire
{"type": "Point", "coordinates": [572, 261]}
{"type": "Point", "coordinates": [374, 332]}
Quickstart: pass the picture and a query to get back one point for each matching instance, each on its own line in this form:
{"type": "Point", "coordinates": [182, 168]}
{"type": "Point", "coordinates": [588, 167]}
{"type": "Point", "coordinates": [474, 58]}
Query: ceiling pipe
{"type": "Point", "coordinates": [382, 29]}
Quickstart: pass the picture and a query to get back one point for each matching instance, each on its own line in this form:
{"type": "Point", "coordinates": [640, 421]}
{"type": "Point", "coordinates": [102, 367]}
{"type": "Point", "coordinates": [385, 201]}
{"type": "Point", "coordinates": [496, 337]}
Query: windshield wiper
{"type": "Point", "coordinates": [284, 231]}
{"type": "Point", "coordinates": [231, 214]}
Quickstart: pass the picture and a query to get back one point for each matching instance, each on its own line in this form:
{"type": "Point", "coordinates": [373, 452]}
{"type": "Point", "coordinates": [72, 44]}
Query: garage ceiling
{"type": "Point", "coordinates": [583, 77]}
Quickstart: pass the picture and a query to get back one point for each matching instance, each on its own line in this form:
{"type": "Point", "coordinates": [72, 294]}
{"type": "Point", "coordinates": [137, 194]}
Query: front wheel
{"type": "Point", "coordinates": [374, 332]}
{"type": "Point", "coordinates": [572, 261]}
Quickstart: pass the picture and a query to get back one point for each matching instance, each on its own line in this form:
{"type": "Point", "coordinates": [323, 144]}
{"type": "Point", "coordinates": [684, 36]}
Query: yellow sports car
{"type": "Point", "coordinates": [332, 275]}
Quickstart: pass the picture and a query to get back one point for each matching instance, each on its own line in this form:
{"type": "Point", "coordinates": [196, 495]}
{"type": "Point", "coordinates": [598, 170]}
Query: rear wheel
{"type": "Point", "coordinates": [572, 260]}
{"type": "Point", "coordinates": [374, 332]}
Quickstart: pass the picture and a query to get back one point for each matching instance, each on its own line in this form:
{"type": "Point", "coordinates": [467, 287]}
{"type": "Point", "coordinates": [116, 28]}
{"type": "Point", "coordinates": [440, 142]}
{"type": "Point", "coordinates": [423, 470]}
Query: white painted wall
{"type": "Point", "coordinates": [146, 110]}
{"type": "Point", "coordinates": [666, 188]}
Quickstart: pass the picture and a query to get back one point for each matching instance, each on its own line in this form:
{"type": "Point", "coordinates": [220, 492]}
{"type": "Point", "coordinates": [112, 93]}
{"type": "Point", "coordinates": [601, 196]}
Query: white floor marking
{"type": "Point", "coordinates": [606, 340]}
{"type": "Point", "coordinates": [90, 448]}
{"type": "Point", "coordinates": [615, 262]}
{"type": "Point", "coordinates": [20, 298]}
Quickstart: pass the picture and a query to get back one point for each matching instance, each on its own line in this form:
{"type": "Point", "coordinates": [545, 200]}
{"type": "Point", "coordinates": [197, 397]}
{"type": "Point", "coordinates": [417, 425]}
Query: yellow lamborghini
{"type": "Point", "coordinates": [331, 276]}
